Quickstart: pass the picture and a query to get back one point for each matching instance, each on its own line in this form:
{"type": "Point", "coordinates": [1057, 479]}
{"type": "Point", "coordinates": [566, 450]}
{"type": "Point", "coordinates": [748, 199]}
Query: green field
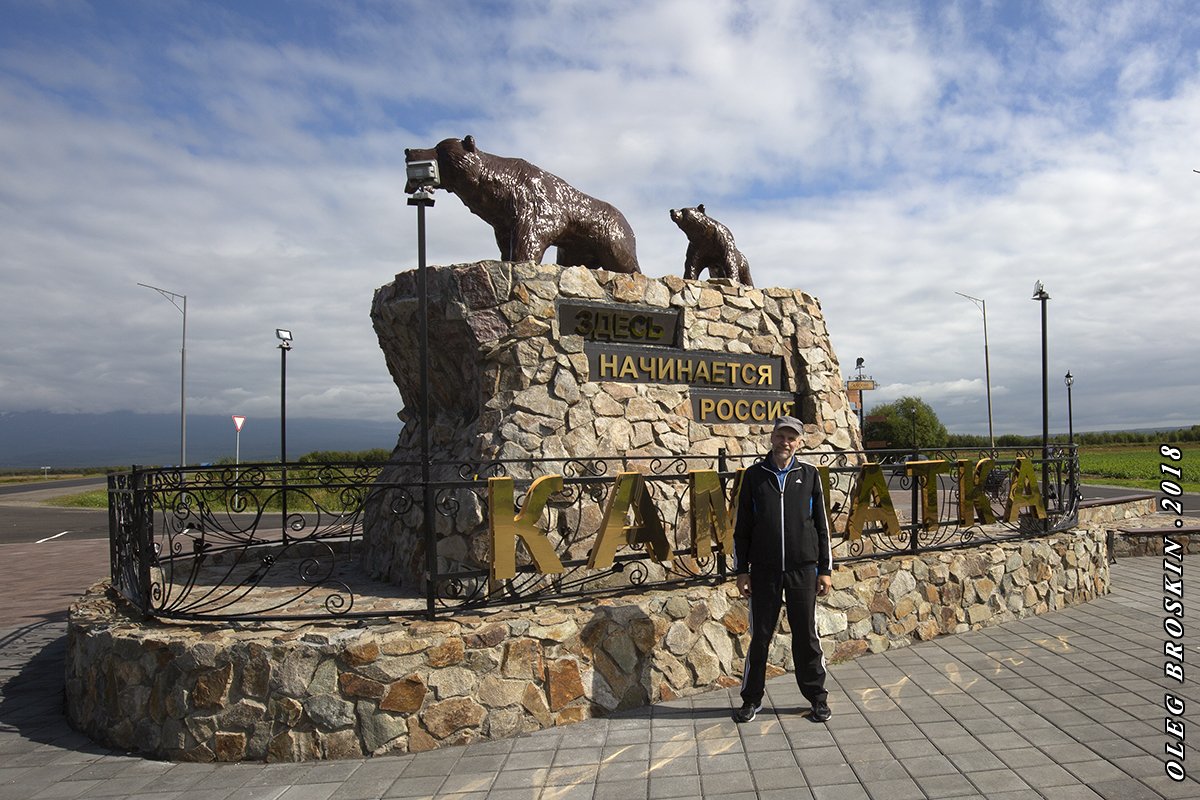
{"type": "Point", "coordinates": [1140, 465]}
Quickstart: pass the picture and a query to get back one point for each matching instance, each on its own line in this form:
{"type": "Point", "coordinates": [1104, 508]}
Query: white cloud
{"type": "Point", "coordinates": [880, 158]}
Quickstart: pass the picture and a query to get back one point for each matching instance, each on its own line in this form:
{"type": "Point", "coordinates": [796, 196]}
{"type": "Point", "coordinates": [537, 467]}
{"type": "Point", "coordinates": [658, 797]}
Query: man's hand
{"type": "Point", "coordinates": [743, 584]}
{"type": "Point", "coordinates": [824, 585]}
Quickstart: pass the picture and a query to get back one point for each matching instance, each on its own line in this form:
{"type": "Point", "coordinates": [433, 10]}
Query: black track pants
{"type": "Point", "coordinates": [767, 596]}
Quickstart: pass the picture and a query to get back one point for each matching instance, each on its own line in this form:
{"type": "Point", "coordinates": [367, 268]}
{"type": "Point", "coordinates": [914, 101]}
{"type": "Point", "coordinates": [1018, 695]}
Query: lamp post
{"type": "Point", "coordinates": [1069, 380]}
{"type": "Point", "coordinates": [856, 387]}
{"type": "Point", "coordinates": [174, 299]}
{"type": "Point", "coordinates": [285, 344]}
{"type": "Point", "coordinates": [987, 367]}
{"type": "Point", "coordinates": [423, 178]}
{"type": "Point", "coordinates": [1040, 294]}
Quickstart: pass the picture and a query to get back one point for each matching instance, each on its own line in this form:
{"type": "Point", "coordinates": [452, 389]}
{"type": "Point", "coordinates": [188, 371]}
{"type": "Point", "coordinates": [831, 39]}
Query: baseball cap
{"type": "Point", "coordinates": [790, 422]}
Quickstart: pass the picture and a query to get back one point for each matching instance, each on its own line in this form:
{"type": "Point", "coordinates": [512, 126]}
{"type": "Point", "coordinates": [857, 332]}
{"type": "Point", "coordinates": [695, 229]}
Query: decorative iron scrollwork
{"type": "Point", "coordinates": [210, 543]}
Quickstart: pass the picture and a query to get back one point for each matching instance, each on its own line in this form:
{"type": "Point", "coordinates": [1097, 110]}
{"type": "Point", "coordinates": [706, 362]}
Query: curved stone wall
{"type": "Point", "coordinates": [296, 692]}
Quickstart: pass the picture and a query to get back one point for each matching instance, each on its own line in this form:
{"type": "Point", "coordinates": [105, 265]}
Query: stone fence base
{"type": "Point", "coordinates": [295, 692]}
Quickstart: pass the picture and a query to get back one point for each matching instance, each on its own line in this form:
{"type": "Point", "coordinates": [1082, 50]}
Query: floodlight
{"type": "Point", "coordinates": [423, 175]}
{"type": "Point", "coordinates": [282, 335]}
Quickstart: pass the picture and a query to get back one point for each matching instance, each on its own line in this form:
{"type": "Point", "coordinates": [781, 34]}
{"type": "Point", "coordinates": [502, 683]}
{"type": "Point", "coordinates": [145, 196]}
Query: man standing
{"type": "Point", "coordinates": [782, 550]}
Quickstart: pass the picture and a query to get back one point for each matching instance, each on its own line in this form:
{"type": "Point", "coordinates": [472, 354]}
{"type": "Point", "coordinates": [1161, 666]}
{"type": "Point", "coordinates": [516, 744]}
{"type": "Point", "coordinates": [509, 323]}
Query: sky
{"type": "Point", "coordinates": [880, 156]}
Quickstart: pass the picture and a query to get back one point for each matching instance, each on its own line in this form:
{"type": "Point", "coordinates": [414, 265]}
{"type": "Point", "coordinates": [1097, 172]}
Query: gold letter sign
{"type": "Point", "coordinates": [711, 518]}
{"type": "Point", "coordinates": [647, 528]}
{"type": "Point", "coordinates": [871, 483]}
{"type": "Point", "coordinates": [505, 528]}
{"type": "Point", "coordinates": [925, 473]}
{"type": "Point", "coordinates": [973, 503]}
{"type": "Point", "coordinates": [1024, 492]}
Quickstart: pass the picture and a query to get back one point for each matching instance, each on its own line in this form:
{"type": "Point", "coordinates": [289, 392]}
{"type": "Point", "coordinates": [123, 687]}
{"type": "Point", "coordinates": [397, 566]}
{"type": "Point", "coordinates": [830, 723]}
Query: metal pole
{"type": "Point", "coordinates": [284, 346]}
{"type": "Point", "coordinates": [1070, 379]}
{"type": "Point", "coordinates": [422, 200]}
{"type": "Point", "coordinates": [1045, 407]}
{"type": "Point", "coordinates": [183, 390]}
{"type": "Point", "coordinates": [172, 297]}
{"type": "Point", "coordinates": [987, 365]}
{"type": "Point", "coordinates": [1040, 294]}
{"type": "Point", "coordinates": [722, 468]}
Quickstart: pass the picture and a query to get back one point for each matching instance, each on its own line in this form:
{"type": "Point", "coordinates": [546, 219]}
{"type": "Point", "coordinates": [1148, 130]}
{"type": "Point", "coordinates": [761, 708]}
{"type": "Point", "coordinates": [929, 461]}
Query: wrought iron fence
{"type": "Point", "coordinates": [261, 542]}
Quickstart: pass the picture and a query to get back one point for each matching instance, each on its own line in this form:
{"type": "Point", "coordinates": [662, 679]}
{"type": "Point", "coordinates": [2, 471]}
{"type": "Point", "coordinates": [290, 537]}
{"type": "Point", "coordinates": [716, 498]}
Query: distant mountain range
{"type": "Point", "coordinates": [122, 438]}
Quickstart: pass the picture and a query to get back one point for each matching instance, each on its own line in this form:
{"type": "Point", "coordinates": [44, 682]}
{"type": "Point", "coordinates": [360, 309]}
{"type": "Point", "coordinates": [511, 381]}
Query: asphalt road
{"type": "Point", "coordinates": [24, 519]}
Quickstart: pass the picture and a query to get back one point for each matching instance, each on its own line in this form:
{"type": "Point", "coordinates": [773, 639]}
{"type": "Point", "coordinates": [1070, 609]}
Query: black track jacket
{"type": "Point", "coordinates": [781, 530]}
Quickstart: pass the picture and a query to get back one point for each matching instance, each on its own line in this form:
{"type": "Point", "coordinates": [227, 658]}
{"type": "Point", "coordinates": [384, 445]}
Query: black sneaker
{"type": "Point", "coordinates": [820, 712]}
{"type": "Point", "coordinates": [747, 712]}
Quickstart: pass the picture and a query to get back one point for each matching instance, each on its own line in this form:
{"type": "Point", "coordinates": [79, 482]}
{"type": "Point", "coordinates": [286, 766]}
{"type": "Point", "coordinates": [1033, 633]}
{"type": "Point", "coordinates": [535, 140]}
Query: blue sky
{"type": "Point", "coordinates": [881, 156]}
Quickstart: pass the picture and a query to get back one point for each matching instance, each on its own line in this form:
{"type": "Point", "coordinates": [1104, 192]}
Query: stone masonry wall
{"type": "Point", "coordinates": [509, 383]}
{"type": "Point", "coordinates": [299, 692]}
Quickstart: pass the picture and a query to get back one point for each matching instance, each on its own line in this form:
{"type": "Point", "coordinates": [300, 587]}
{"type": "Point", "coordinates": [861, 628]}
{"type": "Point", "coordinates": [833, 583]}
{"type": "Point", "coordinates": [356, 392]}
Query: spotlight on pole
{"type": "Point", "coordinates": [423, 178]}
{"type": "Point", "coordinates": [285, 344]}
{"type": "Point", "coordinates": [1041, 295]}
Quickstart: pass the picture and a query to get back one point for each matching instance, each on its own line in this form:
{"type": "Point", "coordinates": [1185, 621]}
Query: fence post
{"type": "Point", "coordinates": [722, 466]}
{"type": "Point", "coordinates": [914, 537]}
{"type": "Point", "coordinates": [143, 526]}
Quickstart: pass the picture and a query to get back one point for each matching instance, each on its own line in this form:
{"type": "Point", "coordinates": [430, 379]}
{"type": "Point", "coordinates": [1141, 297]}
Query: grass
{"type": "Point", "coordinates": [94, 499]}
{"type": "Point", "coordinates": [38, 477]}
{"type": "Point", "coordinates": [1139, 466]}
{"type": "Point", "coordinates": [298, 499]}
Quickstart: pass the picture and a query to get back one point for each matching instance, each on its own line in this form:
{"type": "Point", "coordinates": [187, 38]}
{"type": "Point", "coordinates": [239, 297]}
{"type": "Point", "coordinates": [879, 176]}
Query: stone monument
{"type": "Point", "coordinates": [537, 361]}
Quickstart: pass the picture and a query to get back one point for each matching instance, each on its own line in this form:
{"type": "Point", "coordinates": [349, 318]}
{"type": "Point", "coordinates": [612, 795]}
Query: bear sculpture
{"type": "Point", "coordinates": [710, 245]}
{"type": "Point", "coordinates": [530, 209]}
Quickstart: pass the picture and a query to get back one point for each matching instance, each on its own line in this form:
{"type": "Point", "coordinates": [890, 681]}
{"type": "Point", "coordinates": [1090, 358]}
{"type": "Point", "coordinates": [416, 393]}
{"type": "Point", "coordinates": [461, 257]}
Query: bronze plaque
{"type": "Point", "coordinates": [613, 322]}
{"type": "Point", "coordinates": [636, 364]}
{"type": "Point", "coordinates": [716, 406]}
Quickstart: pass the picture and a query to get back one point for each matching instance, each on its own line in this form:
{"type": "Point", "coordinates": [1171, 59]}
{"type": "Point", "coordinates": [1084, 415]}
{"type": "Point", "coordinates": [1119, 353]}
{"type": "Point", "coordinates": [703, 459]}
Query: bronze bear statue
{"type": "Point", "coordinates": [710, 245]}
{"type": "Point", "coordinates": [531, 209]}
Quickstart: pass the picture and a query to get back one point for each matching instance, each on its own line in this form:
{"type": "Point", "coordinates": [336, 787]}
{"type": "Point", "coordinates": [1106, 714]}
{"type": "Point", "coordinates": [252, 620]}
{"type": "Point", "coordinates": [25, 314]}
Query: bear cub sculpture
{"type": "Point", "coordinates": [530, 209]}
{"type": "Point", "coordinates": [710, 245]}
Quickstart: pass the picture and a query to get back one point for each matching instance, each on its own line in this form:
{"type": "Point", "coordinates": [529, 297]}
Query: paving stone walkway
{"type": "Point", "coordinates": [1067, 705]}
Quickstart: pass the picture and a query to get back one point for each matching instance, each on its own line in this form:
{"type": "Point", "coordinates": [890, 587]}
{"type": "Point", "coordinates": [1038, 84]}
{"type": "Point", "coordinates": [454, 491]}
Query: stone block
{"type": "Point", "coordinates": [449, 716]}
{"type": "Point", "coordinates": [563, 682]}
{"type": "Point", "coordinates": [211, 689]}
{"type": "Point", "coordinates": [229, 747]}
{"type": "Point", "coordinates": [446, 653]}
{"type": "Point", "coordinates": [354, 685]}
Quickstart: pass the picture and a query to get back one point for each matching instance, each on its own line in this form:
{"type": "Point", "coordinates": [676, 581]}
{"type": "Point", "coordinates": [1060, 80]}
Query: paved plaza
{"type": "Point", "coordinates": [1066, 705]}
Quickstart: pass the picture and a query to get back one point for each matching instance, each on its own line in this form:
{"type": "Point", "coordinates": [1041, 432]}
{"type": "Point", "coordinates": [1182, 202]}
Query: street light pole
{"type": "Point", "coordinates": [423, 199]}
{"type": "Point", "coordinates": [285, 344]}
{"type": "Point", "coordinates": [173, 298]}
{"type": "Point", "coordinates": [1069, 379]}
{"type": "Point", "coordinates": [1041, 295]}
{"type": "Point", "coordinates": [987, 366]}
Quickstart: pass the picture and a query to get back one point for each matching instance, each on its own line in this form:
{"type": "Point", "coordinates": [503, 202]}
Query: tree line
{"type": "Point", "coordinates": [910, 421]}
